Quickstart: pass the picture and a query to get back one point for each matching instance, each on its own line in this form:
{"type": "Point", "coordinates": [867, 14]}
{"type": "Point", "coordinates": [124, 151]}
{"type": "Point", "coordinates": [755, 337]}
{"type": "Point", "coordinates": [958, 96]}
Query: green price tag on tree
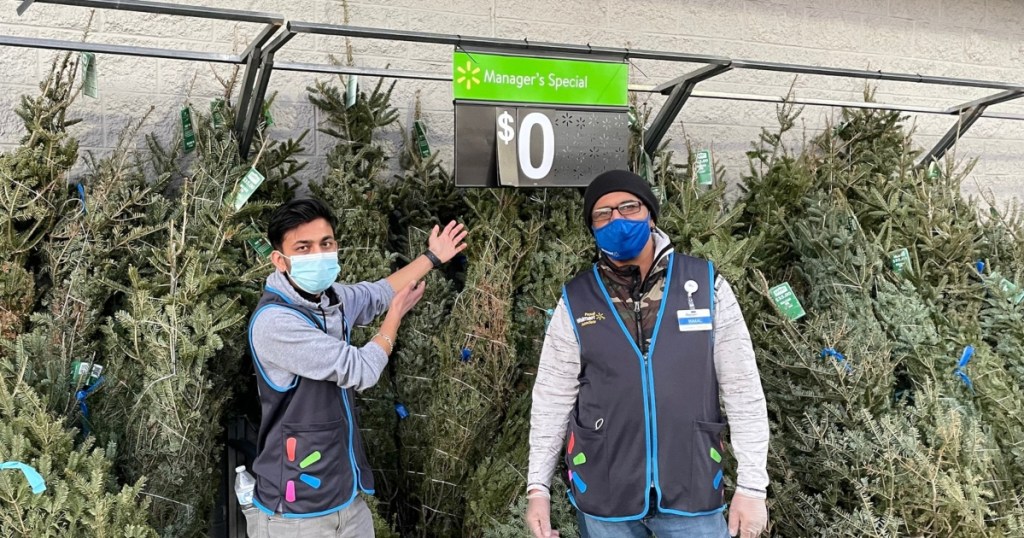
{"type": "Point", "coordinates": [217, 113]}
{"type": "Point", "coordinates": [250, 182]}
{"type": "Point", "coordinates": [702, 167]}
{"type": "Point", "coordinates": [89, 76]}
{"type": "Point", "coordinates": [259, 243]}
{"type": "Point", "coordinates": [899, 260]}
{"type": "Point", "coordinates": [787, 303]}
{"type": "Point", "coordinates": [421, 139]}
{"type": "Point", "coordinates": [187, 132]}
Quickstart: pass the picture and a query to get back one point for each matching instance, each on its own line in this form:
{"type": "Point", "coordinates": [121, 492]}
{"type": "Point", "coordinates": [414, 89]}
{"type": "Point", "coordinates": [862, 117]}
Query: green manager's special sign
{"type": "Point", "coordinates": [525, 121]}
{"type": "Point", "coordinates": [494, 77]}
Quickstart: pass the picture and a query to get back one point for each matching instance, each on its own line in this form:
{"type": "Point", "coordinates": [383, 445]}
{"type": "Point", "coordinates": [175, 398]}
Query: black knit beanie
{"type": "Point", "coordinates": [616, 181]}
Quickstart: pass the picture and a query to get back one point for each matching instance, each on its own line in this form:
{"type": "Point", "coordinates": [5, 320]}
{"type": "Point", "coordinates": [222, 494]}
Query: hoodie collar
{"type": "Point", "coordinates": [278, 282]}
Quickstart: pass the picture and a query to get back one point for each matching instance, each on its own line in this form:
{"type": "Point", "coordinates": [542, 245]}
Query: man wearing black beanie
{"type": "Point", "coordinates": [642, 349]}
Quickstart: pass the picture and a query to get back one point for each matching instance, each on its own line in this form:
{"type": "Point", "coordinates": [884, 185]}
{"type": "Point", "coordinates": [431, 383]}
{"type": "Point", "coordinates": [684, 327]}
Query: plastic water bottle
{"type": "Point", "coordinates": [244, 486]}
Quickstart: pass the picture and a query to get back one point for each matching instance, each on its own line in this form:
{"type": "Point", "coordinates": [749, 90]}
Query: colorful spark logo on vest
{"type": "Point", "coordinates": [717, 458]}
{"type": "Point", "coordinates": [577, 460]}
{"type": "Point", "coordinates": [310, 480]}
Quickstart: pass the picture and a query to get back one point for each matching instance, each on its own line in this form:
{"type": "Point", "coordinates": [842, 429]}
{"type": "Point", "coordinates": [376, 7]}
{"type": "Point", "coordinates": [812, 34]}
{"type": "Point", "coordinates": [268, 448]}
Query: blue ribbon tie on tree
{"type": "Point", "coordinates": [35, 480]}
{"type": "Point", "coordinates": [80, 396]}
{"type": "Point", "coordinates": [965, 358]}
{"type": "Point", "coordinates": [839, 357]}
{"type": "Point", "coordinates": [980, 266]}
{"type": "Point", "coordinates": [402, 412]}
{"type": "Point", "coordinates": [81, 194]}
{"type": "Point", "coordinates": [466, 354]}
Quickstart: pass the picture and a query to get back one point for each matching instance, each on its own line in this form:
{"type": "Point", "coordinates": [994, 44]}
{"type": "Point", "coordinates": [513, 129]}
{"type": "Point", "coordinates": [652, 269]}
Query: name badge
{"type": "Point", "coordinates": [694, 320]}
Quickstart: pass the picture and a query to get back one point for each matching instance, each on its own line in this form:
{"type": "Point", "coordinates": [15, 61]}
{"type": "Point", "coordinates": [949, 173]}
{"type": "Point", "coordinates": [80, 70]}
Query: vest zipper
{"type": "Point", "coordinates": [640, 329]}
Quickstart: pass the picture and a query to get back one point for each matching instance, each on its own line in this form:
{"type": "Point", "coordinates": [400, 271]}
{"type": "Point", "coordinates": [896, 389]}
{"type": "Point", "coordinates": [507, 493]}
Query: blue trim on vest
{"type": "Point", "coordinates": [650, 375]}
{"type": "Point", "coordinates": [572, 318]}
{"type": "Point", "coordinates": [256, 360]}
{"type": "Point", "coordinates": [692, 514]}
{"type": "Point", "coordinates": [351, 443]}
{"type": "Point", "coordinates": [711, 277]}
{"type": "Point", "coordinates": [279, 293]}
{"type": "Point", "coordinates": [647, 398]}
{"type": "Point", "coordinates": [572, 500]}
{"type": "Point", "coordinates": [323, 513]}
{"type": "Point", "coordinates": [259, 505]}
{"type": "Point", "coordinates": [270, 512]}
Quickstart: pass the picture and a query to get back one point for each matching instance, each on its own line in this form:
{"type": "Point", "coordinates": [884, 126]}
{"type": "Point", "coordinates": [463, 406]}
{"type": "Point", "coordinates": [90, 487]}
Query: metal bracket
{"type": "Point", "coordinates": [254, 109]}
{"type": "Point", "coordinates": [252, 56]}
{"type": "Point", "coordinates": [681, 88]}
{"type": "Point", "coordinates": [24, 7]}
{"type": "Point", "coordinates": [969, 113]}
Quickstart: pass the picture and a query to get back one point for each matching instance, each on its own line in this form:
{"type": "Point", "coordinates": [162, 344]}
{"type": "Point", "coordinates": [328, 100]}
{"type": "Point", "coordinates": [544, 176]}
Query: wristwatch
{"type": "Point", "coordinates": [433, 259]}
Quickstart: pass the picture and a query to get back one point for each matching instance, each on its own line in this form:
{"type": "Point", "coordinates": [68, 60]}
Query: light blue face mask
{"type": "Point", "coordinates": [314, 273]}
{"type": "Point", "coordinates": [35, 480]}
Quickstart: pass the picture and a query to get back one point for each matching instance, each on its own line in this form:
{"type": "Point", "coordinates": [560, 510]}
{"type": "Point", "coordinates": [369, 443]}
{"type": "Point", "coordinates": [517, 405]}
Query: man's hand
{"type": "Point", "coordinates": [538, 515]}
{"type": "Point", "coordinates": [406, 298]}
{"type": "Point", "coordinates": [747, 516]}
{"type": "Point", "coordinates": [445, 244]}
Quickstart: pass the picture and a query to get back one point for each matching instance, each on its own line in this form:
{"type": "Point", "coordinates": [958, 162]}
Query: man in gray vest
{"type": "Point", "coordinates": [311, 464]}
{"type": "Point", "coordinates": [638, 351]}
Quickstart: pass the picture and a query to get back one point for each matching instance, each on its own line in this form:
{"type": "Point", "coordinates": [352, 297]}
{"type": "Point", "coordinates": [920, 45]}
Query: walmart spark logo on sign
{"type": "Point", "coordinates": [523, 79]}
{"type": "Point", "coordinates": [467, 75]}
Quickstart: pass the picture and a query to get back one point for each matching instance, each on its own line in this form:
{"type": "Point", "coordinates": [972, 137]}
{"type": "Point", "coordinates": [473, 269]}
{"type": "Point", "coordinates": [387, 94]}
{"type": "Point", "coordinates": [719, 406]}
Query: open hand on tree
{"type": "Point", "coordinates": [445, 244]}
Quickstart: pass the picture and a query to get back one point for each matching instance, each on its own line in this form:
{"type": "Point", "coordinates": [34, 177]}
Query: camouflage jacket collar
{"type": "Point", "coordinates": [624, 281]}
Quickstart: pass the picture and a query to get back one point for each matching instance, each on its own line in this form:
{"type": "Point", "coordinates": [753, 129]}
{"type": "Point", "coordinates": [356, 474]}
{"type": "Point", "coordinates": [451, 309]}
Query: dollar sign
{"type": "Point", "coordinates": [505, 131]}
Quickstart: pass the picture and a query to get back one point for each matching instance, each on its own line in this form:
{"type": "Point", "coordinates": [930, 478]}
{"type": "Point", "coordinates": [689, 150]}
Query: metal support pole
{"type": "Point", "coordinates": [24, 6]}
{"type": "Point", "coordinates": [873, 75]}
{"type": "Point", "coordinates": [255, 109]}
{"type": "Point", "coordinates": [162, 8]}
{"type": "Point", "coordinates": [952, 136]}
{"type": "Point", "coordinates": [988, 100]}
{"type": "Point", "coordinates": [682, 87]}
{"type": "Point", "coordinates": [506, 45]}
{"type": "Point", "coordinates": [252, 56]}
{"type": "Point", "coordinates": [121, 50]}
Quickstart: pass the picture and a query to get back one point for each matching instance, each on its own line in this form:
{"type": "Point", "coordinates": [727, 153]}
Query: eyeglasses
{"type": "Point", "coordinates": [625, 209]}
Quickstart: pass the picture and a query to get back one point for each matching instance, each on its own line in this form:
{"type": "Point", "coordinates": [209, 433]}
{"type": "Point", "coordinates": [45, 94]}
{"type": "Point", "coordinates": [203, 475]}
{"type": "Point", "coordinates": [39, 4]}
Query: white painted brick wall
{"type": "Point", "coordinates": [956, 38]}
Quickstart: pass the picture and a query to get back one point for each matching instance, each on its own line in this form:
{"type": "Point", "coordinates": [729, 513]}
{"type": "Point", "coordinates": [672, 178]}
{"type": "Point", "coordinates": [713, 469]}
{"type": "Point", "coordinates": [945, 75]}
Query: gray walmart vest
{"type": "Point", "coordinates": [310, 459]}
{"type": "Point", "coordinates": [645, 422]}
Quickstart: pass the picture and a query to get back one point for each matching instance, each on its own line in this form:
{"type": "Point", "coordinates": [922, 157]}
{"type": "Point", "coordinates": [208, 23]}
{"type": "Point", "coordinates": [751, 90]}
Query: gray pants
{"type": "Point", "coordinates": [354, 521]}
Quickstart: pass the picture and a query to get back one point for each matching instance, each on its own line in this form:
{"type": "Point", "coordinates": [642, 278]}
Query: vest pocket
{"type": "Point", "coordinates": [314, 462]}
{"type": "Point", "coordinates": [583, 457]}
{"type": "Point", "coordinates": [708, 483]}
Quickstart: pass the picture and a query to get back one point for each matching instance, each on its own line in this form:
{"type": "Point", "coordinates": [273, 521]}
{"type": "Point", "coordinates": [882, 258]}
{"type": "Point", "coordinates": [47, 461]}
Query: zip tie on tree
{"type": "Point", "coordinates": [35, 480]}
{"type": "Point", "coordinates": [402, 412]}
{"type": "Point", "coordinates": [959, 370]}
{"type": "Point", "coordinates": [81, 194]}
{"type": "Point", "coordinates": [839, 357]}
{"type": "Point", "coordinates": [80, 396]}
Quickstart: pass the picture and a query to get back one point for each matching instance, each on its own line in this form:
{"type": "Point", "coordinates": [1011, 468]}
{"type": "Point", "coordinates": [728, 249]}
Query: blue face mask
{"type": "Point", "coordinates": [623, 239]}
{"type": "Point", "coordinates": [314, 273]}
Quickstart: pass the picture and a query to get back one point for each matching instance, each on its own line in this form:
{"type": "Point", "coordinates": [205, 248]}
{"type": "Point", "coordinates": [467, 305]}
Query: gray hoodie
{"type": "Point", "coordinates": [288, 346]}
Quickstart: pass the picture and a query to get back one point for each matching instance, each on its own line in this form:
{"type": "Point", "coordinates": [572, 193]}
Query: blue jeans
{"type": "Point", "coordinates": [655, 524]}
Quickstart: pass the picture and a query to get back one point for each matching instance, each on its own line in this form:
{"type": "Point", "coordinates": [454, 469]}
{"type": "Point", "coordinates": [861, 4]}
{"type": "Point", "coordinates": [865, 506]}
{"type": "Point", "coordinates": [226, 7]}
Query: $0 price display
{"type": "Point", "coordinates": [507, 132]}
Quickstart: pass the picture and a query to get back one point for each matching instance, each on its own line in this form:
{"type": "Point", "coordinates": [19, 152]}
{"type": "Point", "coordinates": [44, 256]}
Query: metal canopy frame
{"type": "Point", "coordinates": [259, 62]}
{"type": "Point", "coordinates": [250, 57]}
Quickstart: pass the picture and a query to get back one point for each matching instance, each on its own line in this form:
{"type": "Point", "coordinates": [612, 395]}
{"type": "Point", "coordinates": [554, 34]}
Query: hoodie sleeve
{"type": "Point", "coordinates": [365, 300]}
{"type": "Point", "coordinates": [741, 392]}
{"type": "Point", "coordinates": [287, 345]}
{"type": "Point", "coordinates": [554, 395]}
